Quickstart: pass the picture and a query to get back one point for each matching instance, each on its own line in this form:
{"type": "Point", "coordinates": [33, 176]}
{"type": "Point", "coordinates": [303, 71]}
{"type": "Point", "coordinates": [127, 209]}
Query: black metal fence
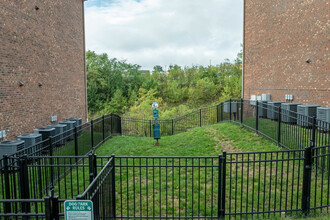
{"type": "Point", "coordinates": [245, 185]}
{"type": "Point", "coordinates": [287, 128]}
{"type": "Point", "coordinates": [56, 164]}
{"type": "Point", "coordinates": [291, 182]}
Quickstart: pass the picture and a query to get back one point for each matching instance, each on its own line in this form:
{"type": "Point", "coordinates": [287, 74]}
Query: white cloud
{"type": "Point", "coordinates": [163, 32]}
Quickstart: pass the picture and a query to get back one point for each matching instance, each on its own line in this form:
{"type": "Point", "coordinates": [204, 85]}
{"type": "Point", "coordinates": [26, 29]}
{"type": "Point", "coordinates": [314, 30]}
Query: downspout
{"type": "Point", "coordinates": [84, 52]}
{"type": "Point", "coordinates": [243, 54]}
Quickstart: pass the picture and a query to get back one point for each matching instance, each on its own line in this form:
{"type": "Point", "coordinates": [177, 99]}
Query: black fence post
{"type": "Point", "coordinates": [76, 142]}
{"type": "Point", "coordinates": [51, 208]}
{"type": "Point", "coordinates": [221, 111]}
{"type": "Point", "coordinates": [314, 131]}
{"type": "Point", "coordinates": [120, 130]}
{"type": "Point", "coordinates": [6, 207]}
{"type": "Point", "coordinates": [150, 127]}
{"type": "Point", "coordinates": [242, 111]}
{"type": "Point", "coordinates": [55, 208]}
{"type": "Point", "coordinates": [172, 126]}
{"type": "Point", "coordinates": [229, 109]}
{"type": "Point", "coordinates": [221, 185]}
{"type": "Point", "coordinates": [257, 116]}
{"type": "Point", "coordinates": [111, 124]}
{"type": "Point", "coordinates": [103, 131]}
{"type": "Point", "coordinates": [92, 134]}
{"type": "Point", "coordinates": [92, 167]}
{"type": "Point", "coordinates": [48, 208]}
{"type": "Point", "coordinates": [24, 184]}
{"type": "Point", "coordinates": [51, 161]}
{"type": "Point", "coordinates": [113, 177]}
{"type": "Point", "coordinates": [279, 126]}
{"type": "Point", "coordinates": [305, 204]}
{"type": "Point", "coordinates": [224, 154]}
{"type": "Point", "coordinates": [218, 113]}
{"type": "Point", "coordinates": [200, 118]}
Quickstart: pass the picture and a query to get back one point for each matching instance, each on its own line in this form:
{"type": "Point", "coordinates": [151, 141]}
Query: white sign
{"type": "Point", "coordinates": [78, 210]}
{"type": "Point", "coordinates": [155, 105]}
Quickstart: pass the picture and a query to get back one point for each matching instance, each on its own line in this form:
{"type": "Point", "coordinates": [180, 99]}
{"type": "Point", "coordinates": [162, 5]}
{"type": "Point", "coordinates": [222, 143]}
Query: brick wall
{"type": "Point", "coordinates": [44, 46]}
{"type": "Point", "coordinates": [279, 37]}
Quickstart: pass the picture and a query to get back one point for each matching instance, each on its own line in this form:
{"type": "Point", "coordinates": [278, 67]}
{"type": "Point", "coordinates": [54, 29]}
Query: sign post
{"type": "Point", "coordinates": [156, 127]}
{"type": "Point", "coordinates": [78, 210]}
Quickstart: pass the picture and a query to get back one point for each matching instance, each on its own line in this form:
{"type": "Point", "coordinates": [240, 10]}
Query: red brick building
{"type": "Point", "coordinates": [42, 63]}
{"type": "Point", "coordinates": [286, 50]}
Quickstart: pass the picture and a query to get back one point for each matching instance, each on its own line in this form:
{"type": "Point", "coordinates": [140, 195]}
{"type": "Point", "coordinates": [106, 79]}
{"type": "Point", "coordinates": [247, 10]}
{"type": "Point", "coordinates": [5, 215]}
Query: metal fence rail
{"type": "Point", "coordinates": [101, 192]}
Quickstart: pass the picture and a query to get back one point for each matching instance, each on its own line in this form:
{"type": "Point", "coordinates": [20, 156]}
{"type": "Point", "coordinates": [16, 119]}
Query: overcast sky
{"type": "Point", "coordinates": [164, 32]}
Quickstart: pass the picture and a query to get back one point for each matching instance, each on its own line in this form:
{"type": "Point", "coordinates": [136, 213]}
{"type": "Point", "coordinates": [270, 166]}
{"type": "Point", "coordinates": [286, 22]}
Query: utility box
{"type": "Point", "coordinates": [156, 129]}
{"type": "Point", "coordinates": [323, 118]}
{"type": "Point", "coordinates": [273, 110]}
{"type": "Point", "coordinates": [46, 132]}
{"type": "Point", "coordinates": [10, 147]}
{"type": "Point", "coordinates": [262, 109]}
{"type": "Point", "coordinates": [289, 112]}
{"type": "Point", "coordinates": [253, 100]}
{"type": "Point", "coordinates": [78, 124]}
{"type": "Point", "coordinates": [226, 107]}
{"type": "Point", "coordinates": [69, 133]}
{"type": "Point", "coordinates": [265, 97]}
{"type": "Point", "coordinates": [305, 114]}
{"type": "Point", "coordinates": [59, 131]}
{"type": "Point", "coordinates": [32, 139]}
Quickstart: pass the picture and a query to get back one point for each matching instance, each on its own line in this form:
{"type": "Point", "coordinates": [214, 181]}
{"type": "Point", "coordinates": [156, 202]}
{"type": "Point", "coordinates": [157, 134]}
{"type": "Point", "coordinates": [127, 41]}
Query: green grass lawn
{"type": "Point", "coordinates": [205, 141]}
{"type": "Point", "coordinates": [276, 185]}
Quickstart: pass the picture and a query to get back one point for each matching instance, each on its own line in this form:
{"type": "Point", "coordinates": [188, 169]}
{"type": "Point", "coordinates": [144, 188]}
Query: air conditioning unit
{"type": "Point", "coordinates": [323, 118]}
{"type": "Point", "coordinates": [10, 147]}
{"type": "Point", "coordinates": [78, 123]}
{"type": "Point", "coordinates": [289, 112]}
{"type": "Point", "coordinates": [59, 130]}
{"type": "Point", "coordinates": [265, 97]}
{"type": "Point", "coordinates": [305, 114]}
{"type": "Point", "coordinates": [46, 132]}
{"type": "Point", "coordinates": [32, 142]}
{"type": "Point", "coordinates": [69, 134]}
{"type": "Point", "coordinates": [272, 110]}
{"type": "Point", "coordinates": [226, 107]}
{"type": "Point", "coordinates": [262, 109]}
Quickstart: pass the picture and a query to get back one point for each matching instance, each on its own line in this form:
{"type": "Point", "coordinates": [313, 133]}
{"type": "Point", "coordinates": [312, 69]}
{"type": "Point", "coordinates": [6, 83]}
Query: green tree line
{"type": "Point", "coordinates": [122, 88]}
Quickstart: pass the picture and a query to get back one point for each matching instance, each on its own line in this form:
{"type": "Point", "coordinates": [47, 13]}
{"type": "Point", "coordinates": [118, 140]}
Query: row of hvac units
{"type": "Point", "coordinates": [62, 132]}
{"type": "Point", "coordinates": [290, 112]}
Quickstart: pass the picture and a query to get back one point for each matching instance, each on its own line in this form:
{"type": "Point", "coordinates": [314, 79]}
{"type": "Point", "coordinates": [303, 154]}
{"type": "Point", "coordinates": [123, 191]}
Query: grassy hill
{"type": "Point", "coordinates": [205, 141]}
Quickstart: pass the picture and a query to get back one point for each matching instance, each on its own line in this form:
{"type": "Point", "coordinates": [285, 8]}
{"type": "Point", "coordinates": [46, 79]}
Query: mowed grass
{"type": "Point", "coordinates": [205, 141]}
{"type": "Point", "coordinates": [161, 188]}
{"type": "Point", "coordinates": [179, 187]}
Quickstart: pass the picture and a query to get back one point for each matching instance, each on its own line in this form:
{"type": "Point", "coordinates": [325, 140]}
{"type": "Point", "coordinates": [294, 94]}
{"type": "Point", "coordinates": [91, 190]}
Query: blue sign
{"type": "Point", "coordinates": [155, 114]}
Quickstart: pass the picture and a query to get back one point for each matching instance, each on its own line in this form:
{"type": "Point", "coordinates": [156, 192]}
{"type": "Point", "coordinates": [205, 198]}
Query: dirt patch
{"type": "Point", "coordinates": [224, 144]}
